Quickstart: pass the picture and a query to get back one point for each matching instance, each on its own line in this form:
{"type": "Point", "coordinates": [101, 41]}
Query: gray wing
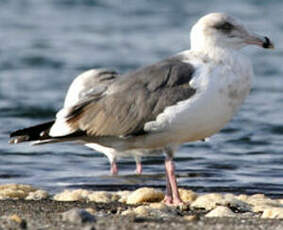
{"type": "Point", "coordinates": [88, 84]}
{"type": "Point", "coordinates": [98, 82]}
{"type": "Point", "coordinates": [134, 100]}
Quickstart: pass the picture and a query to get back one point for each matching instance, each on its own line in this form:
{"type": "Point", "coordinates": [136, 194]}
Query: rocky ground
{"type": "Point", "coordinates": [25, 207]}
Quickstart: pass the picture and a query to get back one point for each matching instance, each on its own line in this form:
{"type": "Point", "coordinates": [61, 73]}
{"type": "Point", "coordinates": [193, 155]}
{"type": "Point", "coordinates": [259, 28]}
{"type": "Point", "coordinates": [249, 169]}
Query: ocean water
{"type": "Point", "coordinates": [45, 44]}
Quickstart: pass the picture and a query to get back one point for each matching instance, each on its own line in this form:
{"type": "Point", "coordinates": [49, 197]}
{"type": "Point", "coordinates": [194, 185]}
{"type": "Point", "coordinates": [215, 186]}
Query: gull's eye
{"type": "Point", "coordinates": [225, 27]}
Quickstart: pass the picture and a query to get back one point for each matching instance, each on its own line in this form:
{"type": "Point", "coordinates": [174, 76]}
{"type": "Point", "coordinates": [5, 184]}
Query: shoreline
{"type": "Point", "coordinates": [47, 214]}
{"type": "Point", "coordinates": [25, 207]}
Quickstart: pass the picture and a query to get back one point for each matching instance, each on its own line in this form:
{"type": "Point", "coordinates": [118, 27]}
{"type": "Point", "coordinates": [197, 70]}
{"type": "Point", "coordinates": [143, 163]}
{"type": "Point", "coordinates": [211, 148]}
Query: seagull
{"type": "Point", "coordinates": [186, 97]}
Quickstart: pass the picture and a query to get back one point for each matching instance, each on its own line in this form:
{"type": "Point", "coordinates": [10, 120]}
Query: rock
{"type": "Point", "coordinates": [160, 206]}
{"type": "Point", "coordinates": [15, 191]}
{"type": "Point", "coordinates": [89, 227]}
{"type": "Point", "coordinates": [273, 213]}
{"type": "Point", "coordinates": [23, 187]}
{"type": "Point", "coordinates": [191, 218]}
{"type": "Point", "coordinates": [145, 194]}
{"type": "Point", "coordinates": [142, 211]}
{"type": "Point", "coordinates": [237, 205]}
{"type": "Point", "coordinates": [37, 195]}
{"type": "Point", "coordinates": [212, 200]}
{"type": "Point", "coordinates": [91, 211]}
{"type": "Point", "coordinates": [128, 212]}
{"type": "Point", "coordinates": [77, 216]}
{"type": "Point", "coordinates": [153, 211]}
{"type": "Point", "coordinates": [15, 219]}
{"type": "Point", "coordinates": [243, 197]}
{"type": "Point", "coordinates": [163, 209]}
{"type": "Point", "coordinates": [221, 211]}
{"type": "Point", "coordinates": [86, 195]}
{"type": "Point", "coordinates": [123, 196]}
{"type": "Point", "coordinates": [259, 202]}
{"type": "Point", "coordinates": [207, 201]}
{"type": "Point", "coordinates": [103, 197]}
{"type": "Point", "coordinates": [188, 196]}
{"type": "Point", "coordinates": [72, 195]}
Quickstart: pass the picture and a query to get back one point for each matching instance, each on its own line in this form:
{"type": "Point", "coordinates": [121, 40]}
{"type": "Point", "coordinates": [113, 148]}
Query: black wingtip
{"type": "Point", "coordinates": [16, 133]}
{"type": "Point", "coordinates": [31, 133]}
{"type": "Point", "coordinates": [19, 139]}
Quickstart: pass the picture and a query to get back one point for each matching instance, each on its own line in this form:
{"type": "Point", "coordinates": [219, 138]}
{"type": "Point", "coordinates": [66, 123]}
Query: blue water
{"type": "Point", "coordinates": [45, 44]}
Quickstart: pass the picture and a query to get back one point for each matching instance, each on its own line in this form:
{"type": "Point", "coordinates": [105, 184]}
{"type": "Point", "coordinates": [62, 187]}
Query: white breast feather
{"type": "Point", "coordinates": [220, 89]}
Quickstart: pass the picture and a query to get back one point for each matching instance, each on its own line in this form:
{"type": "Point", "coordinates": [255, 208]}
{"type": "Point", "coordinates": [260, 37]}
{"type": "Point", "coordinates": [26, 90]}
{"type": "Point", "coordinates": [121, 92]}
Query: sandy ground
{"type": "Point", "coordinates": [47, 214]}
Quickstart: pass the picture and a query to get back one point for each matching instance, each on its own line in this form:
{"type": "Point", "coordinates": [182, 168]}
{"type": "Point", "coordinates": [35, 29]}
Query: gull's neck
{"type": "Point", "coordinates": [216, 53]}
{"type": "Point", "coordinates": [211, 48]}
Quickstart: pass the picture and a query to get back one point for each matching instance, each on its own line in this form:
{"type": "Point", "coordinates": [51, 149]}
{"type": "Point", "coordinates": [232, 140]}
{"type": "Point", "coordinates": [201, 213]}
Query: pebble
{"type": "Point", "coordinates": [15, 219]}
{"type": "Point", "coordinates": [142, 211]}
{"type": "Point", "coordinates": [259, 202]}
{"type": "Point", "coordinates": [274, 213]}
{"type": "Point", "coordinates": [91, 211]}
{"type": "Point", "coordinates": [15, 191]}
{"type": "Point", "coordinates": [37, 195]}
{"type": "Point", "coordinates": [154, 211]}
{"type": "Point", "coordinates": [145, 194]}
{"type": "Point", "coordinates": [72, 195]}
{"type": "Point", "coordinates": [207, 201]}
{"type": "Point", "coordinates": [163, 209]}
{"type": "Point", "coordinates": [77, 216]}
{"type": "Point", "coordinates": [221, 211]}
{"type": "Point", "coordinates": [89, 227]}
{"type": "Point", "coordinates": [191, 218]}
{"type": "Point", "coordinates": [103, 197]}
{"type": "Point", "coordinates": [188, 196]}
{"type": "Point", "coordinates": [21, 191]}
{"type": "Point", "coordinates": [212, 200]}
{"type": "Point", "coordinates": [232, 201]}
{"type": "Point", "coordinates": [160, 206]}
{"type": "Point", "coordinates": [85, 195]}
{"type": "Point", "coordinates": [123, 196]}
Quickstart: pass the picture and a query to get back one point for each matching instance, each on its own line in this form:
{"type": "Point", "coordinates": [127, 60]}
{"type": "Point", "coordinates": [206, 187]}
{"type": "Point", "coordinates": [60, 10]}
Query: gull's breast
{"type": "Point", "coordinates": [220, 91]}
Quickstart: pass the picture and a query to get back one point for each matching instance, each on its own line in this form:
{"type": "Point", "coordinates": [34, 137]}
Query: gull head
{"type": "Point", "coordinates": [219, 30]}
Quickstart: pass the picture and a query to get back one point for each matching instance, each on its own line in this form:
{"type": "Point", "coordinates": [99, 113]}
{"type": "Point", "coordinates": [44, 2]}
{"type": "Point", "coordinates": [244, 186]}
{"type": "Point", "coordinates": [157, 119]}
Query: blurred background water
{"type": "Point", "coordinates": [45, 44]}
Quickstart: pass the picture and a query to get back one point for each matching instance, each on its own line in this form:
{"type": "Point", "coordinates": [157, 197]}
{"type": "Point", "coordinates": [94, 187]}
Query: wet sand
{"type": "Point", "coordinates": [47, 214]}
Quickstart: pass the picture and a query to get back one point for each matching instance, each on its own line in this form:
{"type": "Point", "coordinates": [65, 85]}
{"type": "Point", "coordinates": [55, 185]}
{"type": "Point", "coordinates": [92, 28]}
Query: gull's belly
{"type": "Point", "coordinates": [208, 112]}
{"type": "Point", "coordinates": [204, 117]}
{"type": "Point", "coordinates": [193, 119]}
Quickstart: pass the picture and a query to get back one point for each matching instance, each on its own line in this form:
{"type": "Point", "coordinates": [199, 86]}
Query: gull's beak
{"type": "Point", "coordinates": [261, 41]}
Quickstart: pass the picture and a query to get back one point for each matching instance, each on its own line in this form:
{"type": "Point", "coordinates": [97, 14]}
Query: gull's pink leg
{"type": "Point", "coordinates": [168, 199]}
{"type": "Point", "coordinates": [114, 168]}
{"type": "Point", "coordinates": [138, 168]}
{"type": "Point", "coordinates": [170, 172]}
